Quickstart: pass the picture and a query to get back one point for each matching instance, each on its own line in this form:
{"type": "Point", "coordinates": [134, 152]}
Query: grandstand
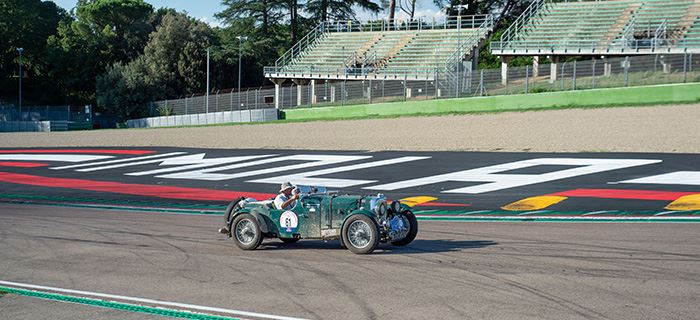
{"type": "Point", "coordinates": [351, 50]}
{"type": "Point", "coordinates": [356, 50]}
{"type": "Point", "coordinates": [613, 27]}
{"type": "Point", "coordinates": [600, 28]}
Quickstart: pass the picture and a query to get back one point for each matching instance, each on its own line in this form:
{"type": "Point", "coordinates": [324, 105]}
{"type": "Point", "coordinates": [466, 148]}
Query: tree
{"type": "Point", "coordinates": [389, 5]}
{"type": "Point", "coordinates": [257, 14]}
{"type": "Point", "coordinates": [176, 53]}
{"type": "Point", "coordinates": [26, 24]}
{"type": "Point", "coordinates": [408, 7]}
{"type": "Point", "coordinates": [125, 90]}
{"type": "Point", "coordinates": [102, 33]}
{"type": "Point", "coordinates": [173, 63]}
{"type": "Point", "coordinates": [503, 10]}
{"type": "Point", "coordinates": [322, 10]}
{"type": "Point", "coordinates": [122, 26]}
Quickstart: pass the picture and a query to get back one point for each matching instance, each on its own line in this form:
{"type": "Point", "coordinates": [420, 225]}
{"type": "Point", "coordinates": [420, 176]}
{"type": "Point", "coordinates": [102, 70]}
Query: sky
{"type": "Point", "coordinates": [204, 10]}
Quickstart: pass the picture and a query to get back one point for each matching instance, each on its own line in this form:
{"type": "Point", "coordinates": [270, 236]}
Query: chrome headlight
{"type": "Point", "coordinates": [395, 206]}
{"type": "Point", "coordinates": [380, 208]}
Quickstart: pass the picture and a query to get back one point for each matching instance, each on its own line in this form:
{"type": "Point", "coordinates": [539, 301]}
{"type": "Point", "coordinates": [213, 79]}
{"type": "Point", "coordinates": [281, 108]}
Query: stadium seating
{"type": "Point", "coordinates": [692, 36]}
{"type": "Point", "coordinates": [599, 26]}
{"type": "Point", "coordinates": [386, 53]}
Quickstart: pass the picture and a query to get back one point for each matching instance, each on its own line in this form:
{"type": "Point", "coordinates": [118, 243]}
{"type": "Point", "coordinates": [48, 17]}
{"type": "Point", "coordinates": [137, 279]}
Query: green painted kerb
{"type": "Point", "coordinates": [112, 305]}
{"type": "Point", "coordinates": [642, 95]}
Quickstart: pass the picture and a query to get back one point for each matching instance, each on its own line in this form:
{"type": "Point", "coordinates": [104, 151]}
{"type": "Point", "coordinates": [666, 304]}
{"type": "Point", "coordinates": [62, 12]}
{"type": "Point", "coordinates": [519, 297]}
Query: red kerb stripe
{"type": "Point", "coordinates": [441, 204]}
{"type": "Point", "coordinates": [87, 151]}
{"type": "Point", "coordinates": [130, 188]}
{"type": "Point", "coordinates": [22, 164]}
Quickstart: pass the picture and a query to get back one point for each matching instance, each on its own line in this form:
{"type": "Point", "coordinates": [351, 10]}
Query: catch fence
{"type": "Point", "coordinates": [455, 83]}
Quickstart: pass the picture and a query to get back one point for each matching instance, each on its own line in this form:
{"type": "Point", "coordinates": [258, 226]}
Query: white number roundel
{"type": "Point", "coordinates": [289, 220]}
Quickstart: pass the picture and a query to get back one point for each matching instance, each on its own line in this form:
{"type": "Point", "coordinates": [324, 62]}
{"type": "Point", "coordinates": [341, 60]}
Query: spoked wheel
{"type": "Point", "coordinates": [246, 232]}
{"type": "Point", "coordinates": [410, 222]}
{"type": "Point", "coordinates": [360, 234]}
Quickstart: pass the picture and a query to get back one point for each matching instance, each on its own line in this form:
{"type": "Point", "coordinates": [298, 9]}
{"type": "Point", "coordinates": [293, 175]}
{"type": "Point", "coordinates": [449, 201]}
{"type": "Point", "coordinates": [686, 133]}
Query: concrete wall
{"type": "Point", "coordinates": [25, 126]}
{"type": "Point", "coordinates": [260, 115]}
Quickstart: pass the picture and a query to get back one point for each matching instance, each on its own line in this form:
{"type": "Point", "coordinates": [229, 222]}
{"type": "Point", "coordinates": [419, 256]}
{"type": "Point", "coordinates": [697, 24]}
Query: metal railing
{"type": "Point", "coordinates": [474, 38]}
{"type": "Point", "coordinates": [301, 45]}
{"type": "Point", "coordinates": [660, 34]}
{"type": "Point", "coordinates": [531, 11]}
{"type": "Point", "coordinates": [302, 72]}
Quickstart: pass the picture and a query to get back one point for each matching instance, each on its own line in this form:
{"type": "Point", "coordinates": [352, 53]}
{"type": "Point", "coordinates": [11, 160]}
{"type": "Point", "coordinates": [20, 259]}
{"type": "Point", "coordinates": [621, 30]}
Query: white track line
{"type": "Point", "coordinates": [532, 212]}
{"type": "Point", "coordinates": [596, 212]}
{"type": "Point", "coordinates": [117, 161]}
{"type": "Point", "coordinates": [666, 212]}
{"type": "Point", "coordinates": [148, 301]}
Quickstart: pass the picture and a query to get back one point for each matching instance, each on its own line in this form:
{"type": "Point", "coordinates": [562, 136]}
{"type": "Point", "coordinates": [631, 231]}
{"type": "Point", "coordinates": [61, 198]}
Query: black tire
{"type": "Point", "coordinates": [365, 224]}
{"type": "Point", "coordinates": [289, 240]}
{"type": "Point", "coordinates": [251, 226]}
{"type": "Point", "coordinates": [412, 231]}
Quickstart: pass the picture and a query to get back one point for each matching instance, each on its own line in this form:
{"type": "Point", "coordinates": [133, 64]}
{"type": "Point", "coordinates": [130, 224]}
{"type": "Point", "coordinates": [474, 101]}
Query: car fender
{"type": "Point", "coordinates": [262, 222]}
{"type": "Point", "coordinates": [367, 213]}
{"type": "Point", "coordinates": [229, 210]}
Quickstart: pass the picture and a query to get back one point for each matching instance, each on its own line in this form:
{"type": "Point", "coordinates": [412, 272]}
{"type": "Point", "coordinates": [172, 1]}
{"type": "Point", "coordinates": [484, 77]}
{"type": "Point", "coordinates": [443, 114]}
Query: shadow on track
{"type": "Point", "coordinates": [417, 246]}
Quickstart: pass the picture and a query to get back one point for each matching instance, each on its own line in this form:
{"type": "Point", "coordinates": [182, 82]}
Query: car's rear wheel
{"type": "Point", "coordinates": [409, 220]}
{"type": "Point", "coordinates": [360, 234]}
{"type": "Point", "coordinates": [246, 232]}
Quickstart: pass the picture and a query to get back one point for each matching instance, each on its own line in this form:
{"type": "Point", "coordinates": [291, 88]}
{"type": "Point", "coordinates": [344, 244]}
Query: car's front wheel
{"type": "Point", "coordinates": [409, 220]}
{"type": "Point", "coordinates": [360, 234]}
{"type": "Point", "coordinates": [246, 231]}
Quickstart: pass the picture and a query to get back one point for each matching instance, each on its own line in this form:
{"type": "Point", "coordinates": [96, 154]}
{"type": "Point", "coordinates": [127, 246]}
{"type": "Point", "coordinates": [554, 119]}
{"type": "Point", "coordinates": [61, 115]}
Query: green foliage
{"type": "Point", "coordinates": [26, 24]}
{"type": "Point", "coordinates": [165, 111]}
{"type": "Point", "coordinates": [122, 54]}
{"type": "Point", "coordinates": [173, 63]}
{"type": "Point", "coordinates": [102, 32]}
{"type": "Point", "coordinates": [322, 10]}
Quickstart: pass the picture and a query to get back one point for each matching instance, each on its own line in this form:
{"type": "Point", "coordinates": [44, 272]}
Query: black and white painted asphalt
{"type": "Point", "coordinates": [456, 181]}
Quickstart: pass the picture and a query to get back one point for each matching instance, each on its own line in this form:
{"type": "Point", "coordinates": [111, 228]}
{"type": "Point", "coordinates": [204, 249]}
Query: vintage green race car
{"type": "Point", "coordinates": [360, 222]}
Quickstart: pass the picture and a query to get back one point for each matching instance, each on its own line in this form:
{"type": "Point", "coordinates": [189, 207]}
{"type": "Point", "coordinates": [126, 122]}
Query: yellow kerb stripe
{"type": "Point", "coordinates": [534, 203]}
{"type": "Point", "coordinates": [689, 202]}
{"type": "Point", "coordinates": [413, 201]}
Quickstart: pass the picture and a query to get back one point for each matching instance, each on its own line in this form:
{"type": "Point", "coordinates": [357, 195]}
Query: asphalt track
{"type": "Point", "coordinates": [127, 230]}
{"type": "Point", "coordinates": [607, 184]}
{"type": "Point", "coordinates": [453, 270]}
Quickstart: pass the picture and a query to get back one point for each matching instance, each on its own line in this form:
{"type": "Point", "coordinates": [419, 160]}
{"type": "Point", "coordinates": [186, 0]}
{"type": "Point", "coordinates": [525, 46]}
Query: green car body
{"type": "Point", "coordinates": [320, 215]}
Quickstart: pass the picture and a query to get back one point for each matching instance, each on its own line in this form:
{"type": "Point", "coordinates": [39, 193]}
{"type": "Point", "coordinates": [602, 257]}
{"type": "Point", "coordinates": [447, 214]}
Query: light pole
{"type": "Point", "coordinates": [240, 49]}
{"type": "Point", "coordinates": [20, 50]}
{"type": "Point", "coordinates": [207, 102]}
